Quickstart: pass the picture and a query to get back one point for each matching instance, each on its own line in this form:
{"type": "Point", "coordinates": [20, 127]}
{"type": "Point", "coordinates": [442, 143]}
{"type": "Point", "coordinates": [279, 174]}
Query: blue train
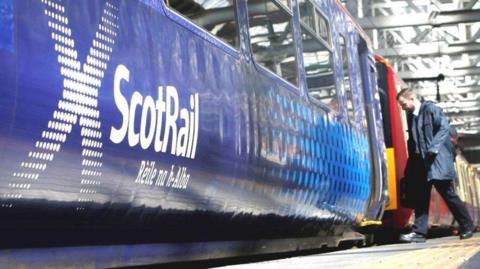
{"type": "Point", "coordinates": [148, 131]}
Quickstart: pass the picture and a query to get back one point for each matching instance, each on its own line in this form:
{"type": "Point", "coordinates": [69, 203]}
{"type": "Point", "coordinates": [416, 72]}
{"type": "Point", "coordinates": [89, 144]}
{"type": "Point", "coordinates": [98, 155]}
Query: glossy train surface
{"type": "Point", "coordinates": [123, 122]}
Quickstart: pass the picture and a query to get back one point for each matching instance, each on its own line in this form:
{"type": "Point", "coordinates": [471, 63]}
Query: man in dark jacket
{"type": "Point", "coordinates": [430, 153]}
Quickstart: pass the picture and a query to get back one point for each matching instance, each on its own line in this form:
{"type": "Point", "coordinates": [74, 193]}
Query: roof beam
{"type": "Point", "coordinates": [456, 112]}
{"type": "Point", "coordinates": [471, 4]}
{"type": "Point", "coordinates": [463, 114]}
{"type": "Point", "coordinates": [461, 121]}
{"type": "Point", "coordinates": [396, 4]}
{"type": "Point", "coordinates": [435, 19]}
{"type": "Point", "coordinates": [449, 90]}
{"type": "Point", "coordinates": [384, 22]}
{"type": "Point", "coordinates": [475, 36]}
{"type": "Point", "coordinates": [460, 72]}
{"type": "Point", "coordinates": [461, 105]}
{"type": "Point", "coordinates": [420, 36]}
{"type": "Point", "coordinates": [429, 49]}
{"type": "Point", "coordinates": [413, 6]}
{"type": "Point", "coordinates": [434, 74]}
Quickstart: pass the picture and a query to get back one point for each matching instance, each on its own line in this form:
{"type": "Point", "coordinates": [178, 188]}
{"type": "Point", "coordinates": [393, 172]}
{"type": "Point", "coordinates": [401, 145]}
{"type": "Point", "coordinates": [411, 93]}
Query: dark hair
{"type": "Point", "coordinates": [405, 92]}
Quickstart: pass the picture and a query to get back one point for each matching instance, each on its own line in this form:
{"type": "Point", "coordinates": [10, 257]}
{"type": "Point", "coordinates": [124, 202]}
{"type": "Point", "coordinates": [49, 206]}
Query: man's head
{"type": "Point", "coordinates": [406, 99]}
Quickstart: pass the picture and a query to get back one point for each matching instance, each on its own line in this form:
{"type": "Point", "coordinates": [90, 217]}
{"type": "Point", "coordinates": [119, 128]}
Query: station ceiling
{"type": "Point", "coordinates": [435, 47]}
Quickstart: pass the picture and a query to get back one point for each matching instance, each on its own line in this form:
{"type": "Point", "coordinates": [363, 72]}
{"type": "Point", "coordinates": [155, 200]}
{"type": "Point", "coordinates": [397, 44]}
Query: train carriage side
{"type": "Point", "coordinates": [136, 127]}
{"type": "Point", "coordinates": [372, 121]}
{"type": "Point", "coordinates": [358, 109]}
{"type": "Point", "coordinates": [135, 122]}
{"type": "Point", "coordinates": [300, 135]}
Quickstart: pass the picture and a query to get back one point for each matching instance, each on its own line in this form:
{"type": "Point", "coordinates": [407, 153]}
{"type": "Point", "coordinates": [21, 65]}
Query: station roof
{"type": "Point", "coordinates": [434, 45]}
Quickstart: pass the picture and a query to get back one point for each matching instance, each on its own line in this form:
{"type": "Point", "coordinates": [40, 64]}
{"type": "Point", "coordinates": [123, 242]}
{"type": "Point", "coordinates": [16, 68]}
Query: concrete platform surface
{"type": "Point", "coordinates": [445, 252]}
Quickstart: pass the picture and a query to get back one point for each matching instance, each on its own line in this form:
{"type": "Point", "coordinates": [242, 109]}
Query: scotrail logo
{"type": "Point", "coordinates": [79, 105]}
{"type": "Point", "coordinates": [162, 129]}
{"type": "Point", "coordinates": [79, 102]}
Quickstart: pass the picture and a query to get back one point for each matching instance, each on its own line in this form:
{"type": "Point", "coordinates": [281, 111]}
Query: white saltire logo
{"type": "Point", "coordinates": [79, 103]}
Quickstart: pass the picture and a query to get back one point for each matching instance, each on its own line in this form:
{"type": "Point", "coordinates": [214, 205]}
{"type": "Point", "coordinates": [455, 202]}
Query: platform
{"type": "Point", "coordinates": [445, 252]}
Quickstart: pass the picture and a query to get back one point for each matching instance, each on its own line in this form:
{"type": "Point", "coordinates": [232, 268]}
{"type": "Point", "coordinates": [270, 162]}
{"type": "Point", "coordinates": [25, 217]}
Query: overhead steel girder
{"type": "Point", "coordinates": [461, 114]}
{"type": "Point", "coordinates": [460, 105]}
{"type": "Point", "coordinates": [474, 113]}
{"type": "Point", "coordinates": [432, 75]}
{"type": "Point", "coordinates": [464, 121]}
{"type": "Point", "coordinates": [429, 49]}
{"type": "Point", "coordinates": [449, 90]}
{"type": "Point", "coordinates": [471, 71]}
{"type": "Point", "coordinates": [434, 19]}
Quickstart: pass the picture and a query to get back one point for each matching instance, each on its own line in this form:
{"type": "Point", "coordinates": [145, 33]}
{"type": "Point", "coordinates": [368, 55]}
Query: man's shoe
{"type": "Point", "coordinates": [412, 237]}
{"type": "Point", "coordinates": [467, 234]}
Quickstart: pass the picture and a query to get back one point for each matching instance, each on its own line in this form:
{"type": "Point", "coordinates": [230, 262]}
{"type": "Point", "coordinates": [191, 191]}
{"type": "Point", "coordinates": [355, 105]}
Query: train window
{"type": "Point", "coordinates": [318, 64]}
{"type": "Point", "coordinates": [322, 26]}
{"type": "Point", "coordinates": [317, 55]}
{"type": "Point", "coordinates": [346, 78]}
{"type": "Point", "coordinates": [286, 3]}
{"type": "Point", "coordinates": [314, 19]}
{"type": "Point", "coordinates": [307, 14]}
{"type": "Point", "coordinates": [218, 17]}
{"type": "Point", "coordinates": [271, 37]}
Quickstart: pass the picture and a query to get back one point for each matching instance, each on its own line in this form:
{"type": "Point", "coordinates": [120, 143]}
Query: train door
{"type": "Point", "coordinates": [367, 66]}
{"type": "Point", "coordinates": [388, 127]}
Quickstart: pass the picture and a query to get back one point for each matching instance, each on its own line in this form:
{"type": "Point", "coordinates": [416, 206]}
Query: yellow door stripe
{"type": "Point", "coordinates": [392, 180]}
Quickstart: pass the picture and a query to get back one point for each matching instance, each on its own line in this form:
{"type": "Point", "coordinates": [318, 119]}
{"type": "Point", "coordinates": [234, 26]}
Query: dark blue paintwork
{"type": "Point", "coordinates": [268, 162]}
{"type": "Point", "coordinates": [6, 25]}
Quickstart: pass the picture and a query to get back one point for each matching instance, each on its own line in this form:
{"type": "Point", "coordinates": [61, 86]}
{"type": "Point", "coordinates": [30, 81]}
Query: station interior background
{"type": "Point", "coordinates": [435, 47]}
